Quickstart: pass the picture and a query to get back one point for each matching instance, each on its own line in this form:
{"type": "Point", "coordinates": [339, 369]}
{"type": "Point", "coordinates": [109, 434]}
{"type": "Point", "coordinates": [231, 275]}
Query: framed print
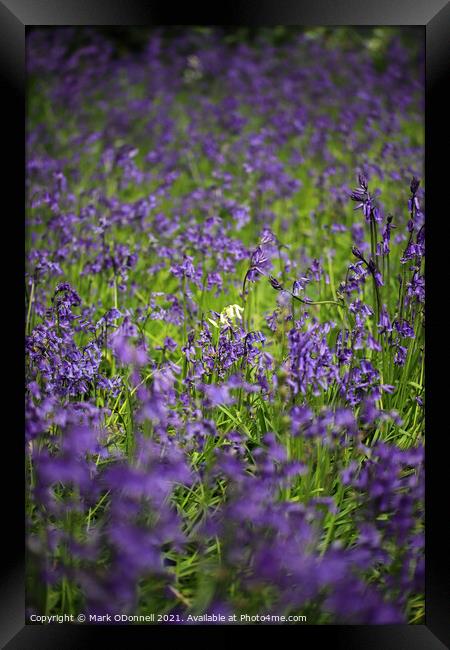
{"type": "Point", "coordinates": [231, 408]}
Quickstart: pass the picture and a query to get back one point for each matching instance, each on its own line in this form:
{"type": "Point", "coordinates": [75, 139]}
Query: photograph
{"type": "Point", "coordinates": [225, 325]}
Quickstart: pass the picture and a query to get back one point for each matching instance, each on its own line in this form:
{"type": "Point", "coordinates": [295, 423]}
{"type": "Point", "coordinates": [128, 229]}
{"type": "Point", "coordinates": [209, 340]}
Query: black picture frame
{"type": "Point", "coordinates": [15, 17]}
